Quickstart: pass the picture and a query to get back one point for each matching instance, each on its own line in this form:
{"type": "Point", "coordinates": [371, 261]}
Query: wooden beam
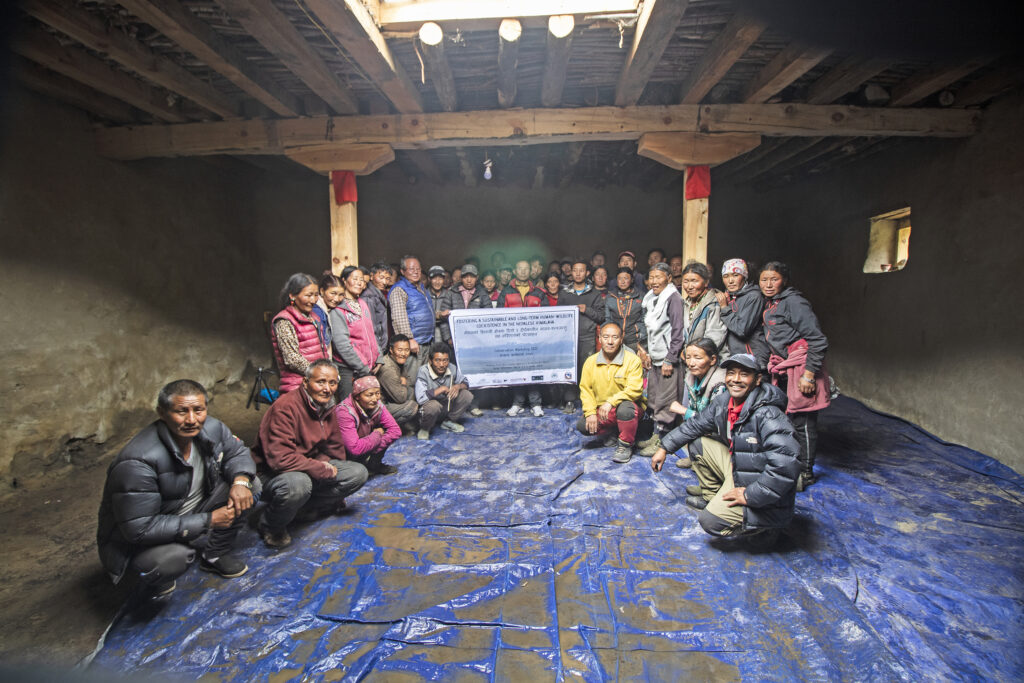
{"type": "Point", "coordinates": [344, 234]}
{"type": "Point", "coordinates": [816, 151]}
{"type": "Point", "coordinates": [93, 32]}
{"type": "Point", "coordinates": [398, 16]}
{"type": "Point", "coordinates": [767, 146]}
{"type": "Point", "coordinates": [695, 228]}
{"type": "Point", "coordinates": [273, 30]}
{"type": "Point", "coordinates": [1003, 77]}
{"type": "Point", "coordinates": [43, 48]}
{"type": "Point", "coordinates": [792, 148]}
{"type": "Point", "coordinates": [425, 164]}
{"type": "Point", "coordinates": [790, 64]}
{"type": "Point", "coordinates": [844, 77]}
{"type": "Point", "coordinates": [574, 150]}
{"type": "Point", "coordinates": [361, 159]}
{"type": "Point", "coordinates": [508, 61]}
{"type": "Point", "coordinates": [679, 150]}
{"type": "Point", "coordinates": [654, 29]}
{"type": "Point", "coordinates": [63, 89]}
{"type": "Point", "coordinates": [432, 45]}
{"type": "Point", "coordinates": [466, 167]}
{"type": "Point", "coordinates": [193, 34]}
{"type": "Point", "coordinates": [740, 33]}
{"type": "Point", "coordinates": [495, 128]}
{"type": "Point", "coordinates": [556, 59]}
{"type": "Point", "coordinates": [930, 81]}
{"type": "Point", "coordinates": [352, 25]}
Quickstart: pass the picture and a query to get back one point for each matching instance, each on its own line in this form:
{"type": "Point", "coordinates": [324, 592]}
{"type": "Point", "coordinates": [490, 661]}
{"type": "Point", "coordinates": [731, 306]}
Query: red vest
{"type": "Point", "coordinates": [310, 345]}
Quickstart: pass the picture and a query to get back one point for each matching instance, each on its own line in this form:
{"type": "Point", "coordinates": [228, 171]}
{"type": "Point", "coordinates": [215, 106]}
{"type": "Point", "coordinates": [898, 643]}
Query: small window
{"type": "Point", "coordinates": [889, 242]}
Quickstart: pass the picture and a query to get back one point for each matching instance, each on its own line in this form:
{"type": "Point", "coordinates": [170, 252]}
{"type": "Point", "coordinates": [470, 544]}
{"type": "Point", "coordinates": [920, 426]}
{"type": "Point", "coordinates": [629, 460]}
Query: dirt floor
{"type": "Point", "coordinates": [57, 599]}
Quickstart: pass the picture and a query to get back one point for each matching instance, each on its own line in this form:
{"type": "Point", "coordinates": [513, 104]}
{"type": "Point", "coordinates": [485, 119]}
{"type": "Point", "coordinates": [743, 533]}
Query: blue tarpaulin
{"type": "Point", "coordinates": [512, 552]}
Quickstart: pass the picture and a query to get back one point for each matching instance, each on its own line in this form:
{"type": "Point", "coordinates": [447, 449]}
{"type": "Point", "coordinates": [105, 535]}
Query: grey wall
{"type": "Point", "coordinates": [118, 277]}
{"type": "Point", "coordinates": [938, 343]}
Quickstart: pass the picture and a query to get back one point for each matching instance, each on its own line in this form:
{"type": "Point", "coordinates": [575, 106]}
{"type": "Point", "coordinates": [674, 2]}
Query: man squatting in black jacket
{"type": "Point", "coordinates": [182, 483]}
{"type": "Point", "coordinates": [745, 454]}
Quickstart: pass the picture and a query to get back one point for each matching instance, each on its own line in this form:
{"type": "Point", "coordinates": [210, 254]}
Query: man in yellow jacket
{"type": "Point", "coordinates": [611, 390]}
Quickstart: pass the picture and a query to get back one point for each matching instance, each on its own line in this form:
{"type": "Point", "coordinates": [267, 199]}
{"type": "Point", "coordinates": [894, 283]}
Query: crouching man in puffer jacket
{"type": "Point", "coordinates": [747, 464]}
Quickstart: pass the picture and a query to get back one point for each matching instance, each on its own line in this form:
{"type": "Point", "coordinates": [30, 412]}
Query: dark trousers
{"type": "Point", "coordinates": [160, 564]}
{"type": "Point", "coordinates": [288, 492]}
{"type": "Point", "coordinates": [806, 426]}
{"type": "Point", "coordinates": [623, 420]}
{"type": "Point", "coordinates": [434, 409]}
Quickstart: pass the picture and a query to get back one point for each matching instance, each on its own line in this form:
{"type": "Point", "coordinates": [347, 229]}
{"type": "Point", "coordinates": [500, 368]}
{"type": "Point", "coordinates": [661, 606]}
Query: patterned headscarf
{"type": "Point", "coordinates": [363, 383]}
{"type": "Point", "coordinates": [735, 265]}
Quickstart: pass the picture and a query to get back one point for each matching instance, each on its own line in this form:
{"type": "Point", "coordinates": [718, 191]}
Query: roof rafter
{"type": "Point", "coordinates": [64, 89]}
{"type": "Point", "coordinates": [654, 29]}
{"type": "Point", "coordinates": [740, 33]}
{"type": "Point", "coordinates": [844, 77]}
{"type": "Point", "coordinates": [790, 64]}
{"type": "Point", "coordinates": [924, 83]}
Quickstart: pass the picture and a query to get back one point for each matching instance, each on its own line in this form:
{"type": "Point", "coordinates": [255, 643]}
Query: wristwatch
{"type": "Point", "coordinates": [242, 482]}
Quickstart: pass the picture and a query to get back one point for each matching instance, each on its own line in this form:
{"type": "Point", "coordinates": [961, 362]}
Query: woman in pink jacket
{"type": "Point", "coordinates": [352, 333]}
{"type": "Point", "coordinates": [367, 427]}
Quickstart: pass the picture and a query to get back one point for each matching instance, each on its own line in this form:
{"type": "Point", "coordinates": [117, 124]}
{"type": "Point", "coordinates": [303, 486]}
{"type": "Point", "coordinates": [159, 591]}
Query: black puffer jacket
{"type": "Point", "coordinates": [764, 452]}
{"type": "Point", "coordinates": [787, 318]}
{"type": "Point", "coordinates": [742, 318]}
{"type": "Point", "coordinates": [453, 301]}
{"type": "Point", "coordinates": [378, 303]}
{"type": "Point", "coordinates": [148, 482]}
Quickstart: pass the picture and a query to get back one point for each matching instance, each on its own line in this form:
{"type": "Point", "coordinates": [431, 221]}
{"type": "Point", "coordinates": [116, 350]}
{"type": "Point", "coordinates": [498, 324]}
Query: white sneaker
{"type": "Point", "coordinates": [538, 411]}
{"type": "Point", "coordinates": [514, 411]}
{"type": "Point", "coordinates": [476, 412]}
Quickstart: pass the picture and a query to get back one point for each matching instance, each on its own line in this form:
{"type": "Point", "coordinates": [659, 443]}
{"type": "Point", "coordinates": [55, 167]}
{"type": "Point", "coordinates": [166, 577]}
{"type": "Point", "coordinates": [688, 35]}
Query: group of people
{"type": "Point", "coordinates": [730, 380]}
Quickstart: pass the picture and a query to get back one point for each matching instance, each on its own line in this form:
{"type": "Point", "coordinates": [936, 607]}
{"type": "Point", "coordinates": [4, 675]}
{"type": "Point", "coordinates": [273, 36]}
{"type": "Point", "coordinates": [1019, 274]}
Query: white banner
{"type": "Point", "coordinates": [496, 347]}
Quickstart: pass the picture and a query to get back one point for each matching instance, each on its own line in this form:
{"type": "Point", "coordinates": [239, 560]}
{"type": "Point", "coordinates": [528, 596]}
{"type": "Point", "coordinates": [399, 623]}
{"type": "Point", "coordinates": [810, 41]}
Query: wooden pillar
{"type": "Point", "coordinates": [695, 227]}
{"type": "Point", "coordinates": [344, 235]}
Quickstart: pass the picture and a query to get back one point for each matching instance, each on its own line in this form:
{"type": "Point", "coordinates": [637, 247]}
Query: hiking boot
{"type": "Point", "coordinates": [452, 426]}
{"type": "Point", "coordinates": [693, 490]}
{"type": "Point", "coordinates": [805, 479]}
{"type": "Point", "coordinates": [423, 435]}
{"type": "Point", "coordinates": [684, 463]}
{"type": "Point", "coordinates": [227, 566]}
{"type": "Point", "coordinates": [649, 447]}
{"type": "Point", "coordinates": [537, 411]}
{"type": "Point", "coordinates": [162, 590]}
{"type": "Point", "coordinates": [623, 452]}
{"type": "Point", "coordinates": [476, 412]}
{"type": "Point", "coordinates": [276, 539]}
{"type": "Point", "coordinates": [515, 411]}
{"type": "Point", "coordinates": [696, 502]}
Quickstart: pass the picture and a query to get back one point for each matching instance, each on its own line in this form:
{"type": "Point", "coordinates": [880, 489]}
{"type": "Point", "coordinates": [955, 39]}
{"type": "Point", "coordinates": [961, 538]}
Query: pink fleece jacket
{"type": "Point", "coordinates": [357, 428]}
{"type": "Point", "coordinates": [793, 368]}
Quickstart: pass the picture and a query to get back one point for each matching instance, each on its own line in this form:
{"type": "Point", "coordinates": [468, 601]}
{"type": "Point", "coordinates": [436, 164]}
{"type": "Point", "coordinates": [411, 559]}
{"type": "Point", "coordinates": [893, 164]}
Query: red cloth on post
{"type": "Point", "coordinates": [344, 187]}
{"type": "Point", "coordinates": [698, 182]}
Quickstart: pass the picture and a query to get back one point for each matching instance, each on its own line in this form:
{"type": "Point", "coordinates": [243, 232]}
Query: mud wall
{"type": "Point", "coordinates": [938, 343]}
{"type": "Point", "coordinates": [116, 278]}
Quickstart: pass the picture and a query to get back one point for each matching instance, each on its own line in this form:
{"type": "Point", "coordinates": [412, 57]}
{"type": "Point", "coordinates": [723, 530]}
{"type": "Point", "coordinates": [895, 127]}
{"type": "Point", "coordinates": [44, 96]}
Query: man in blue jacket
{"type": "Point", "coordinates": [182, 483]}
{"type": "Point", "coordinates": [748, 463]}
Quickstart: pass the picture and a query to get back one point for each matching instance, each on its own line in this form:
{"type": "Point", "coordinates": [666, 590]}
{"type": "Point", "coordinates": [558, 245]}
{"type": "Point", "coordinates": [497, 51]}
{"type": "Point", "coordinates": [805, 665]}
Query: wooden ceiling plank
{"type": "Point", "coordinates": [556, 59]}
{"type": "Point", "coordinates": [353, 27]}
{"type": "Point", "coordinates": [848, 75]}
{"type": "Point", "coordinates": [432, 47]}
{"type": "Point", "coordinates": [924, 83]}
{"type": "Point", "coordinates": [196, 36]}
{"type": "Point", "coordinates": [508, 61]}
{"type": "Point", "coordinates": [654, 30]}
{"type": "Point", "coordinates": [43, 48]}
{"type": "Point", "coordinates": [272, 29]}
{"type": "Point", "coordinates": [790, 64]}
{"type": "Point", "coordinates": [532, 126]}
{"type": "Point", "coordinates": [740, 33]}
{"type": "Point", "coordinates": [64, 89]}
{"type": "Point", "coordinates": [1003, 77]}
{"type": "Point", "coordinates": [91, 31]}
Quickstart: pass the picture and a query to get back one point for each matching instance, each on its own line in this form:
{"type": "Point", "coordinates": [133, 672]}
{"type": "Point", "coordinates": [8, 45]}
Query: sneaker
{"type": "Point", "coordinates": [649, 447]}
{"type": "Point", "coordinates": [537, 411]}
{"type": "Point", "coordinates": [276, 539]}
{"type": "Point", "coordinates": [623, 452]}
{"type": "Point", "coordinates": [227, 566]}
{"type": "Point", "coordinates": [515, 411]}
{"type": "Point", "coordinates": [696, 502]}
{"type": "Point", "coordinates": [423, 434]}
{"type": "Point", "coordinates": [693, 490]}
{"type": "Point", "coordinates": [569, 408]}
{"type": "Point", "coordinates": [476, 412]}
{"type": "Point", "coordinates": [684, 463]}
{"type": "Point", "coordinates": [452, 426]}
{"type": "Point", "coordinates": [161, 590]}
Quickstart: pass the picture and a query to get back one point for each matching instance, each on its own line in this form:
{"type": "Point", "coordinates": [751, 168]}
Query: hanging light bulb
{"type": "Point", "coordinates": [487, 169]}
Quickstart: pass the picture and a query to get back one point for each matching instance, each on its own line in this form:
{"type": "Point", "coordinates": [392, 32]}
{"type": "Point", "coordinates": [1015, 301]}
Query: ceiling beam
{"type": "Point", "coordinates": [272, 29]}
{"type": "Point", "coordinates": [360, 159]}
{"type": "Point", "coordinates": [508, 61]}
{"type": "Point", "coordinates": [63, 89]}
{"type": "Point", "coordinates": [352, 25]}
{"type": "Point", "coordinates": [654, 29]}
{"type": "Point", "coordinates": [91, 31]}
{"type": "Point", "coordinates": [556, 59]}
{"type": "Point", "coordinates": [924, 83]}
{"type": "Point", "coordinates": [787, 151]}
{"type": "Point", "coordinates": [196, 36]}
{"type": "Point", "coordinates": [1003, 77]}
{"type": "Point", "coordinates": [432, 45]}
{"type": "Point", "coordinates": [848, 75]}
{"type": "Point", "coordinates": [43, 48]}
{"type": "Point", "coordinates": [818, 150]}
{"type": "Point", "coordinates": [679, 150]}
{"type": "Point", "coordinates": [766, 147]}
{"type": "Point", "coordinates": [790, 64]}
{"type": "Point", "coordinates": [529, 127]}
{"type": "Point", "coordinates": [397, 16]}
{"type": "Point", "coordinates": [740, 33]}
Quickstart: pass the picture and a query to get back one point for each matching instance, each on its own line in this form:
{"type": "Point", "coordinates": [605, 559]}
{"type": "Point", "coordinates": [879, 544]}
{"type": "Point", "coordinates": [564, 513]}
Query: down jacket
{"type": "Point", "coordinates": [148, 482]}
{"type": "Point", "coordinates": [788, 317]}
{"type": "Point", "coordinates": [453, 301]}
{"type": "Point", "coordinates": [764, 452]}
{"type": "Point", "coordinates": [742, 318]}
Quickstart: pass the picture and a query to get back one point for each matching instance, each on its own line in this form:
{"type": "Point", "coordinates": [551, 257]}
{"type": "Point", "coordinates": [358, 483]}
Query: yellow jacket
{"type": "Point", "coordinates": [620, 380]}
